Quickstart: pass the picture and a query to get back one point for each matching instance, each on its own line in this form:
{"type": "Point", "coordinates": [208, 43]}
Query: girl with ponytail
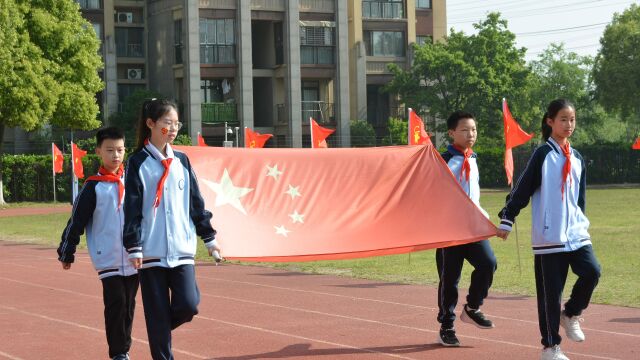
{"type": "Point", "coordinates": [555, 181]}
{"type": "Point", "coordinates": [163, 212]}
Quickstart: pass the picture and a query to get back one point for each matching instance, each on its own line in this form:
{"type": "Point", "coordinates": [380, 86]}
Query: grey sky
{"type": "Point", "coordinates": [580, 23]}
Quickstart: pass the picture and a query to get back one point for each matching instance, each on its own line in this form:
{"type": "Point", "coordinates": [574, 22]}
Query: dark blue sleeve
{"type": "Point", "coordinates": [81, 214]}
{"type": "Point", "coordinates": [200, 216]}
{"type": "Point", "coordinates": [528, 182]}
{"type": "Point", "coordinates": [582, 194]}
{"type": "Point", "coordinates": [133, 197]}
{"type": "Point", "coordinates": [446, 156]}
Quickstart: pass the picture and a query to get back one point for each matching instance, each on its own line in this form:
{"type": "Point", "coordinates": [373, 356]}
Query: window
{"type": "Point", "coordinates": [384, 43]}
{"type": "Point", "coordinates": [421, 40]}
{"type": "Point", "coordinates": [177, 41]}
{"type": "Point", "coordinates": [217, 41]}
{"type": "Point", "coordinates": [383, 9]}
{"type": "Point", "coordinates": [317, 45]}
{"type": "Point", "coordinates": [216, 90]}
{"type": "Point", "coordinates": [126, 90]}
{"type": "Point", "coordinates": [97, 28]}
{"type": "Point", "coordinates": [423, 4]}
{"type": "Point", "coordinates": [129, 42]}
{"type": "Point", "coordinates": [89, 4]}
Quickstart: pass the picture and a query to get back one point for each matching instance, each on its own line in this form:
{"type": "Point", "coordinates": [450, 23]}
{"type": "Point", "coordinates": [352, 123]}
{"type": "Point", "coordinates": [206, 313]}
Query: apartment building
{"type": "Point", "coordinates": [264, 64]}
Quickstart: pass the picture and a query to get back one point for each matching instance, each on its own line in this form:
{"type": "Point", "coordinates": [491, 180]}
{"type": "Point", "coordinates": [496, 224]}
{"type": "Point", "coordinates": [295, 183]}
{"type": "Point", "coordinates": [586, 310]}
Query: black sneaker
{"type": "Point", "coordinates": [475, 317]}
{"type": "Point", "coordinates": [448, 337]}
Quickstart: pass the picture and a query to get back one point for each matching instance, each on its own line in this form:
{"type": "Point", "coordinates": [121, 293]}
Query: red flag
{"type": "Point", "coordinates": [77, 154]}
{"type": "Point", "coordinates": [513, 136]}
{"type": "Point", "coordinates": [319, 134]}
{"type": "Point", "coordinates": [417, 133]}
{"type": "Point", "coordinates": [58, 159]}
{"type": "Point", "coordinates": [338, 203]}
{"type": "Point", "coordinates": [253, 139]}
{"type": "Point", "coordinates": [201, 141]}
{"type": "Point", "coordinates": [636, 145]}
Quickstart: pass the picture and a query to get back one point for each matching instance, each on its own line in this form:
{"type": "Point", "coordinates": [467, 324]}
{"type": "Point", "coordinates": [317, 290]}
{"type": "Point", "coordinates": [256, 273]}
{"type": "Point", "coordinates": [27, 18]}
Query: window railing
{"type": "Point", "coordinates": [129, 50]}
{"type": "Point", "coordinates": [216, 113]}
{"type": "Point", "coordinates": [217, 54]}
{"type": "Point", "coordinates": [320, 111]}
{"type": "Point", "coordinates": [317, 54]}
{"type": "Point", "coordinates": [89, 4]}
{"type": "Point", "coordinates": [383, 9]}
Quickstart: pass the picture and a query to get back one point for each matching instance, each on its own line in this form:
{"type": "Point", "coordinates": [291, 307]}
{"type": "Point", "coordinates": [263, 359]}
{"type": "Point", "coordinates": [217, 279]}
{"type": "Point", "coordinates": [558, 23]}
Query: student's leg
{"type": "Point", "coordinates": [131, 284]}
{"type": "Point", "coordinates": [157, 311]}
{"type": "Point", "coordinates": [585, 265]}
{"type": "Point", "coordinates": [551, 274]}
{"type": "Point", "coordinates": [480, 256]}
{"type": "Point", "coordinates": [449, 261]}
{"type": "Point", "coordinates": [115, 313]}
{"type": "Point", "coordinates": [185, 295]}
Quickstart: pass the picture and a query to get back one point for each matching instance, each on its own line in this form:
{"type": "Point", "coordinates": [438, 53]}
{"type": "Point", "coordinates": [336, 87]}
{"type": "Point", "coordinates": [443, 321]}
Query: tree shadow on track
{"type": "Point", "coordinates": [298, 350]}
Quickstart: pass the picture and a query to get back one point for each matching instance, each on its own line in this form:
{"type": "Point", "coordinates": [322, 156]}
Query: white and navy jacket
{"type": "Point", "coordinates": [558, 222]}
{"type": "Point", "coordinates": [454, 160]}
{"type": "Point", "coordinates": [164, 236]}
{"type": "Point", "coordinates": [96, 209]}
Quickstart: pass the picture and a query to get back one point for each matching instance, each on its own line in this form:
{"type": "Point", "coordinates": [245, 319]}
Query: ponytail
{"type": "Point", "coordinates": [152, 109]}
{"type": "Point", "coordinates": [552, 110]}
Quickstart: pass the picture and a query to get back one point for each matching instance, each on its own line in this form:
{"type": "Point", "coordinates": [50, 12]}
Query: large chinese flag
{"type": "Point", "coordinates": [253, 139]}
{"type": "Point", "coordinates": [201, 140]}
{"type": "Point", "coordinates": [513, 136]}
{"type": "Point", "coordinates": [58, 159]}
{"type": "Point", "coordinates": [417, 134]}
{"type": "Point", "coordinates": [319, 134]}
{"type": "Point", "coordinates": [301, 204]}
{"type": "Point", "coordinates": [636, 145]}
{"type": "Point", "coordinates": [77, 154]}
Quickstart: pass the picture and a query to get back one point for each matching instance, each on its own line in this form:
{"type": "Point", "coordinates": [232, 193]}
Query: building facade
{"type": "Point", "coordinates": [265, 64]}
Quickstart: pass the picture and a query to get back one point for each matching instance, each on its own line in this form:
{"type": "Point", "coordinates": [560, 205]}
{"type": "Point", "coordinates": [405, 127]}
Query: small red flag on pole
{"type": "Point", "coordinates": [319, 134]}
{"type": "Point", "coordinates": [636, 145]}
{"type": "Point", "coordinates": [253, 139]}
{"type": "Point", "coordinates": [201, 140]}
{"type": "Point", "coordinates": [417, 133]}
{"type": "Point", "coordinates": [513, 136]}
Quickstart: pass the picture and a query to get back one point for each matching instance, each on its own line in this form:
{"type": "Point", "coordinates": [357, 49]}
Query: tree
{"type": "Point", "coordinates": [127, 120]}
{"type": "Point", "coordinates": [49, 62]}
{"type": "Point", "coordinates": [561, 74]}
{"type": "Point", "coordinates": [466, 72]}
{"type": "Point", "coordinates": [616, 73]}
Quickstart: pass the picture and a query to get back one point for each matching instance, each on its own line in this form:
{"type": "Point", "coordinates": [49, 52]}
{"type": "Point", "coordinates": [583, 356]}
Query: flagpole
{"type": "Point", "coordinates": [515, 224]}
{"type": "Point", "coordinates": [311, 130]}
{"type": "Point", "coordinates": [53, 171]}
{"type": "Point", "coordinates": [74, 179]}
{"type": "Point", "coordinates": [409, 128]}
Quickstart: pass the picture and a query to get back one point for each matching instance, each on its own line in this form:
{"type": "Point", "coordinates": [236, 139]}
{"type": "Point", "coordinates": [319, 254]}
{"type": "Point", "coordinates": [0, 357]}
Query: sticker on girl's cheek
{"type": "Point", "coordinates": [165, 131]}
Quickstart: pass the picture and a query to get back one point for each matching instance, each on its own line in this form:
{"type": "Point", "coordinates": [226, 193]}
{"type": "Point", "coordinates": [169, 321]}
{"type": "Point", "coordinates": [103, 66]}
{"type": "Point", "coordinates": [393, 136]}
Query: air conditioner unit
{"type": "Point", "coordinates": [134, 74]}
{"type": "Point", "coordinates": [125, 17]}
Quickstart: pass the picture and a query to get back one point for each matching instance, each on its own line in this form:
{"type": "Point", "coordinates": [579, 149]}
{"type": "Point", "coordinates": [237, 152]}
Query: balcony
{"type": "Point", "coordinates": [377, 66]}
{"type": "Point", "coordinates": [325, 6]}
{"type": "Point", "coordinates": [89, 4]}
{"type": "Point", "coordinates": [321, 55]}
{"type": "Point", "coordinates": [217, 113]}
{"type": "Point", "coordinates": [217, 54]}
{"type": "Point", "coordinates": [129, 50]}
{"type": "Point", "coordinates": [320, 111]}
{"type": "Point", "coordinates": [383, 9]}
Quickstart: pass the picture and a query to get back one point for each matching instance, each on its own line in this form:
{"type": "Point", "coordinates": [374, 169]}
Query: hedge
{"type": "Point", "coordinates": [28, 177]}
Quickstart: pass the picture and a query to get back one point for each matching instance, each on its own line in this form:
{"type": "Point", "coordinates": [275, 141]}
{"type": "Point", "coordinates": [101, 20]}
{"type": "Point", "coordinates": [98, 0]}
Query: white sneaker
{"type": "Point", "coordinates": [571, 327]}
{"type": "Point", "coordinates": [553, 353]}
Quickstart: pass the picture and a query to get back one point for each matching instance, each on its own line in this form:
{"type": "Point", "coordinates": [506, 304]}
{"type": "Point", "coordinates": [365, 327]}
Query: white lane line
{"type": "Point", "coordinates": [275, 332]}
{"type": "Point", "coordinates": [406, 327]}
{"type": "Point", "coordinates": [9, 356]}
{"type": "Point", "coordinates": [315, 292]}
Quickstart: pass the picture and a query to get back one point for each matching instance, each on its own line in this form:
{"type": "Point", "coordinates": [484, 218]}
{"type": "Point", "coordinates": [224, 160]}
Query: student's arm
{"type": "Point", "coordinates": [582, 195]}
{"type": "Point", "coordinates": [200, 216]}
{"type": "Point", "coordinates": [133, 196]}
{"type": "Point", "coordinates": [526, 185]}
{"type": "Point", "coordinates": [82, 212]}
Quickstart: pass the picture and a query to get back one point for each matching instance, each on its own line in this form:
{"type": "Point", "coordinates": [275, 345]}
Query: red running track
{"type": "Point", "coordinates": [250, 312]}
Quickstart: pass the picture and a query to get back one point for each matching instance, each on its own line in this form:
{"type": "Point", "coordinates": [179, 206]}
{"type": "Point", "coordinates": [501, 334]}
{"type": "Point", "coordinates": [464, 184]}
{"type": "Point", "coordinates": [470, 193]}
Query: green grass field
{"type": "Point", "coordinates": [615, 229]}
